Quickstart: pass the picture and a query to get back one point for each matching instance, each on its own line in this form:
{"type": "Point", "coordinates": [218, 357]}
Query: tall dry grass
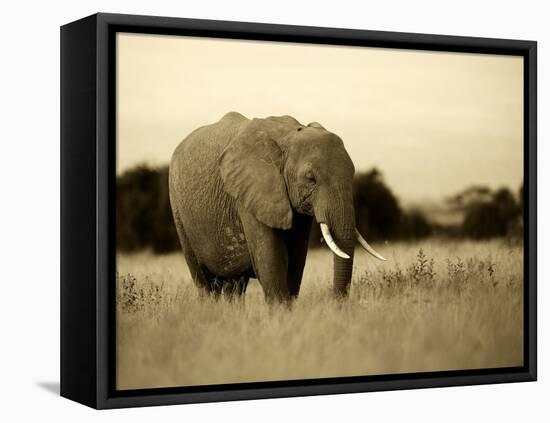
{"type": "Point", "coordinates": [432, 306]}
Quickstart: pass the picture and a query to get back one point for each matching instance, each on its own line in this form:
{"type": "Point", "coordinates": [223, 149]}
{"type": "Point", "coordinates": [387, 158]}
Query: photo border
{"type": "Point", "coordinates": [103, 394]}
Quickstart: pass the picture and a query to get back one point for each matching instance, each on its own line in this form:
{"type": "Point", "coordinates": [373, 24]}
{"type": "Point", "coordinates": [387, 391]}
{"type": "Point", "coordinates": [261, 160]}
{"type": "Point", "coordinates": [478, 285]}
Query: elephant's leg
{"type": "Point", "coordinates": [215, 284]}
{"type": "Point", "coordinates": [297, 242]}
{"type": "Point", "coordinates": [230, 288]}
{"type": "Point", "coordinates": [196, 270]}
{"type": "Point", "coordinates": [269, 255]}
{"type": "Point", "coordinates": [235, 288]}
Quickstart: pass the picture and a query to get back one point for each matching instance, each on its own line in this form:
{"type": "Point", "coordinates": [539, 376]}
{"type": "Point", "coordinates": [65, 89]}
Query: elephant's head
{"type": "Point", "coordinates": [276, 165]}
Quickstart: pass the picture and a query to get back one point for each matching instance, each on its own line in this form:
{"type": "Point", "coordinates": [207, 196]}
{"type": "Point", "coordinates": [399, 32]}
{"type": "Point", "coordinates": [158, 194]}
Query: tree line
{"type": "Point", "coordinates": [144, 218]}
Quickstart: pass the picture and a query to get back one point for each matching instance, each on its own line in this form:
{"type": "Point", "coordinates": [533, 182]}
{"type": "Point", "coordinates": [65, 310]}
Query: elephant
{"type": "Point", "coordinates": [244, 193]}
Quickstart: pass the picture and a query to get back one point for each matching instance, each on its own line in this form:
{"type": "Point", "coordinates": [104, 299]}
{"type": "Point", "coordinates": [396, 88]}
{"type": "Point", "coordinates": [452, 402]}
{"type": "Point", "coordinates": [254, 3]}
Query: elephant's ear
{"type": "Point", "coordinates": [251, 171]}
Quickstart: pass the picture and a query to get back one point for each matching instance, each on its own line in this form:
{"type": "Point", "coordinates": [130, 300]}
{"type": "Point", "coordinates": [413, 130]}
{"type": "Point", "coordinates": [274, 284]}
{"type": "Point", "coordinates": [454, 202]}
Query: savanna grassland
{"type": "Point", "coordinates": [434, 305]}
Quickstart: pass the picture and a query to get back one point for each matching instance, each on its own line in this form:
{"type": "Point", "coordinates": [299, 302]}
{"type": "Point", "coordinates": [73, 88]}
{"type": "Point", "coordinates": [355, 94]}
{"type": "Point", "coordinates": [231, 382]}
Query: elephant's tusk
{"type": "Point", "coordinates": [330, 242]}
{"type": "Point", "coordinates": [367, 247]}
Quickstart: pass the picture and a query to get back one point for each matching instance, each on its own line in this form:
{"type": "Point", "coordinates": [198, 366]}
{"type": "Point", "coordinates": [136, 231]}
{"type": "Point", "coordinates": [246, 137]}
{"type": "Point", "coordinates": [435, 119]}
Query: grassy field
{"type": "Point", "coordinates": [433, 305]}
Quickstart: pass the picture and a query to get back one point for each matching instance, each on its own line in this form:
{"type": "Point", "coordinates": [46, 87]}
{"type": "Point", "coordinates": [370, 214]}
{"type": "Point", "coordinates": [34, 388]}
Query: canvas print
{"type": "Point", "coordinates": [290, 211]}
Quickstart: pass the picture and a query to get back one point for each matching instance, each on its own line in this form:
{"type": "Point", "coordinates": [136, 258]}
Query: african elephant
{"type": "Point", "coordinates": [244, 193]}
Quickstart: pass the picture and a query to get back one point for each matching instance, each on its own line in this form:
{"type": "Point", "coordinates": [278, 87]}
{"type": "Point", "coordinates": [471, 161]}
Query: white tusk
{"type": "Point", "coordinates": [330, 242]}
{"type": "Point", "coordinates": [367, 247]}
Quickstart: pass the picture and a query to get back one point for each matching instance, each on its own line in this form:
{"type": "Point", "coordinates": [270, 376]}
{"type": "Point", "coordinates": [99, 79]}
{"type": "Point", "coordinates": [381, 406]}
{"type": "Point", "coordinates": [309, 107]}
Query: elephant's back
{"type": "Point", "coordinates": [198, 200]}
{"type": "Point", "coordinates": [195, 158]}
{"type": "Point", "coordinates": [206, 143]}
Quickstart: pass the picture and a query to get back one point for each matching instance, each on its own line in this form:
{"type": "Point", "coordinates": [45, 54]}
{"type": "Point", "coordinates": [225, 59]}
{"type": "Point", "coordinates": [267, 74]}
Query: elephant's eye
{"type": "Point", "coordinates": [310, 176]}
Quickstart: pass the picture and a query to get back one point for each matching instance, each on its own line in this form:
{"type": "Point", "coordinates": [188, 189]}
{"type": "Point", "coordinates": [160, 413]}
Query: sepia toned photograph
{"type": "Point", "coordinates": [291, 211]}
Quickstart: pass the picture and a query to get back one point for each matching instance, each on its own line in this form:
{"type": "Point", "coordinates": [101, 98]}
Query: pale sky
{"type": "Point", "coordinates": [432, 122]}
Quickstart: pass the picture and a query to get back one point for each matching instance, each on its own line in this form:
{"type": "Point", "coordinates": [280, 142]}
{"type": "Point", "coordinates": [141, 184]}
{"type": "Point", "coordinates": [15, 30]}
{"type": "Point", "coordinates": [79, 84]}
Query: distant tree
{"type": "Point", "coordinates": [415, 225]}
{"type": "Point", "coordinates": [143, 214]}
{"type": "Point", "coordinates": [508, 207]}
{"type": "Point", "coordinates": [377, 211]}
{"type": "Point", "coordinates": [164, 237]}
{"type": "Point", "coordinates": [491, 216]}
{"type": "Point", "coordinates": [481, 221]}
{"type": "Point", "coordinates": [472, 195]}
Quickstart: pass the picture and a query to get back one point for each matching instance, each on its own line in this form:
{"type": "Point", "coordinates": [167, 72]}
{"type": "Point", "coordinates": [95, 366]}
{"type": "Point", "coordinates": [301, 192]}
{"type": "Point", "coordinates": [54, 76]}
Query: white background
{"type": "Point", "coordinates": [29, 155]}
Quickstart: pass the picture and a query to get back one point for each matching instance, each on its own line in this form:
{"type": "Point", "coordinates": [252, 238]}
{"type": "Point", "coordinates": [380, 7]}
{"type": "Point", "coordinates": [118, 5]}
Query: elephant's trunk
{"type": "Point", "coordinates": [338, 227]}
{"type": "Point", "coordinates": [343, 267]}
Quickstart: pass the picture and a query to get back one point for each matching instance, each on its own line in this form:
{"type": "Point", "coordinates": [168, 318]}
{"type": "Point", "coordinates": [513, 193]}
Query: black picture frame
{"type": "Point", "coordinates": [87, 209]}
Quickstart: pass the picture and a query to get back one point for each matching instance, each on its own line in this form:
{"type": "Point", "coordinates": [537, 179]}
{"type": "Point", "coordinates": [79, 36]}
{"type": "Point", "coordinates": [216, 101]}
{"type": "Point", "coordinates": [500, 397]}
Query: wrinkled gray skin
{"type": "Point", "coordinates": [244, 194]}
